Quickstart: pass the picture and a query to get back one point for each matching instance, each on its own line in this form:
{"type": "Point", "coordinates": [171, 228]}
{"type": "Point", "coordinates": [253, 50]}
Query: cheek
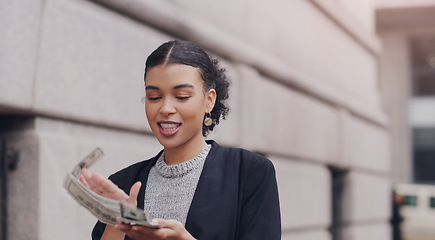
{"type": "Point", "coordinates": [149, 111]}
{"type": "Point", "coordinates": [196, 114]}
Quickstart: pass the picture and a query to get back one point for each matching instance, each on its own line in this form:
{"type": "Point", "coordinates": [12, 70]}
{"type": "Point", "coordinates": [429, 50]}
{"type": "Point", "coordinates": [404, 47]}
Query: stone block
{"type": "Point", "coordinates": [19, 27]}
{"type": "Point", "coordinates": [366, 198]}
{"type": "Point", "coordinates": [314, 234]}
{"type": "Point", "coordinates": [361, 12]}
{"type": "Point", "coordinates": [211, 12]}
{"type": "Point", "coordinates": [365, 145]}
{"type": "Point", "coordinates": [91, 64]}
{"type": "Point", "coordinates": [23, 185]}
{"type": "Point", "coordinates": [319, 48]}
{"type": "Point", "coordinates": [372, 231]}
{"type": "Point", "coordinates": [62, 145]}
{"type": "Point", "coordinates": [304, 190]}
{"type": "Point", "coordinates": [278, 119]}
{"type": "Point", "coordinates": [251, 116]}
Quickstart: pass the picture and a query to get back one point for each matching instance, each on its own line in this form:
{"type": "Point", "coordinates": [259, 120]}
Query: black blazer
{"type": "Point", "coordinates": [236, 197]}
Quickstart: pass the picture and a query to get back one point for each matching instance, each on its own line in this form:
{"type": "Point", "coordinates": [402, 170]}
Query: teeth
{"type": "Point", "coordinates": [169, 126]}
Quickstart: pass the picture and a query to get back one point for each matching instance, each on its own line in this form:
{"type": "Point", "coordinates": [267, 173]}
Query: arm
{"type": "Point", "coordinates": [260, 213]}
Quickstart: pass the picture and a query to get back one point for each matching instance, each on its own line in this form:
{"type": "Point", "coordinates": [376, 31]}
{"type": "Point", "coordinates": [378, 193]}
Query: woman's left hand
{"type": "Point", "coordinates": [171, 229]}
{"type": "Point", "coordinates": [106, 188]}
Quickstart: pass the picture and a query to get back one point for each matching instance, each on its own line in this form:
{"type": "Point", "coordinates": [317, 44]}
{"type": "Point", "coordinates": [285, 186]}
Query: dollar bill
{"type": "Point", "coordinates": [135, 216]}
{"type": "Point", "coordinates": [87, 161]}
{"type": "Point", "coordinates": [107, 210]}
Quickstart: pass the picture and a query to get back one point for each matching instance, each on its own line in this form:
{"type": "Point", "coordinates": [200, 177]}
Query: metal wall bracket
{"type": "Point", "coordinates": [8, 161]}
{"type": "Point", "coordinates": [12, 156]}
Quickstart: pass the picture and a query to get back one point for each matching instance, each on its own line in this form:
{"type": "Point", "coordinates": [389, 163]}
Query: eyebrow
{"type": "Point", "coordinates": [184, 86]}
{"type": "Point", "coordinates": [151, 88]}
{"type": "Point", "coordinates": [176, 87]}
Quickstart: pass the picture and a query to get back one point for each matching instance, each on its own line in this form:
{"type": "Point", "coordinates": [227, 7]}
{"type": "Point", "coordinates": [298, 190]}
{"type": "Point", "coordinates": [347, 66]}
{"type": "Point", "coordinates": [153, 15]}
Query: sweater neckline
{"type": "Point", "coordinates": [181, 169]}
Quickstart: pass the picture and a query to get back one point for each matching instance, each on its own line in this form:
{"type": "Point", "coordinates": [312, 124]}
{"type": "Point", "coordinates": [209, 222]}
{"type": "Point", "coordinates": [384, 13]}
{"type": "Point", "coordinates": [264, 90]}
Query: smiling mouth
{"type": "Point", "coordinates": [169, 129]}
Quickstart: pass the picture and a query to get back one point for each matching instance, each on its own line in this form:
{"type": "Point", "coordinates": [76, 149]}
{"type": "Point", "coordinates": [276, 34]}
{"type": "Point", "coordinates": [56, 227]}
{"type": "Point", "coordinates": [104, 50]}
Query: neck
{"type": "Point", "coordinates": [184, 153]}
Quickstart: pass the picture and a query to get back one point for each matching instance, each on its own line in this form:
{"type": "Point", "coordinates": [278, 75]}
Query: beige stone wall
{"type": "Point", "coordinates": [305, 94]}
{"type": "Point", "coordinates": [403, 3]}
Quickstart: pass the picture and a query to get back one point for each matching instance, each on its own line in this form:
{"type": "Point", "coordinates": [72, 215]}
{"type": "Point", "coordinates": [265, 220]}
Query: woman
{"type": "Point", "coordinates": [194, 188]}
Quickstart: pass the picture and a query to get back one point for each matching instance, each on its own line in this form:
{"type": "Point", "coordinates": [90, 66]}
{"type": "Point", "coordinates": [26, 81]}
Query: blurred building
{"type": "Point", "coordinates": [407, 78]}
{"type": "Point", "coordinates": [407, 30]}
{"type": "Point", "coordinates": [319, 87]}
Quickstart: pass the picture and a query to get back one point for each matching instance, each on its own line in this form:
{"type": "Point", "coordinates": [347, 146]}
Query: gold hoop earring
{"type": "Point", "coordinates": [207, 120]}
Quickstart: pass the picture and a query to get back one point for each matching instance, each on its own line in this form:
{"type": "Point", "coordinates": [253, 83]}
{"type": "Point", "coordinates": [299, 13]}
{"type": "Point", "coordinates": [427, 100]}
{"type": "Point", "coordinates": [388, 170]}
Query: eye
{"type": "Point", "coordinates": [182, 98]}
{"type": "Point", "coordinates": [153, 98]}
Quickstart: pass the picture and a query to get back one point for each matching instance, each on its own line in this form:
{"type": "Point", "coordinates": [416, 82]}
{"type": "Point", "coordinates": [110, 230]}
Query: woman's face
{"type": "Point", "coordinates": [175, 104]}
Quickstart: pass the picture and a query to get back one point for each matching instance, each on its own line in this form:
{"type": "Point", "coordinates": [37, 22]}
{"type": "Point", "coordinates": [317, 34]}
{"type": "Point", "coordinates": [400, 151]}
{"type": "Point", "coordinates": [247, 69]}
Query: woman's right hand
{"type": "Point", "coordinates": [106, 188]}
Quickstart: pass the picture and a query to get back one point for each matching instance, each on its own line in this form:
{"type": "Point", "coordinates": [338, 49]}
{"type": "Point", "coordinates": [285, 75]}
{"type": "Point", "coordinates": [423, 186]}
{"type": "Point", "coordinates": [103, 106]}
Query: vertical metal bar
{"type": "Point", "coordinates": [338, 185]}
{"type": "Point", "coordinates": [4, 187]}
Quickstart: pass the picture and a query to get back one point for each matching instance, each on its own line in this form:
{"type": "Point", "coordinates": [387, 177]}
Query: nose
{"type": "Point", "coordinates": [167, 107]}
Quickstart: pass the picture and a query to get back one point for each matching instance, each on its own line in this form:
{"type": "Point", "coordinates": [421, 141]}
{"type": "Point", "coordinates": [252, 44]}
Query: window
{"type": "Point", "coordinates": [424, 155]}
{"type": "Point", "coordinates": [432, 202]}
{"type": "Point", "coordinates": [411, 201]}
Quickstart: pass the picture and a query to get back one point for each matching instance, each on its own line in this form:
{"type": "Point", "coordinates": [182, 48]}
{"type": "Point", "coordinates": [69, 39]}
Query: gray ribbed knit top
{"type": "Point", "coordinates": [169, 189]}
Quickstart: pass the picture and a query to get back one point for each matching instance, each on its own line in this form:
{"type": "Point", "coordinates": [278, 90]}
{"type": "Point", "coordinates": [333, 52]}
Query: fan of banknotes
{"type": "Point", "coordinates": [107, 210]}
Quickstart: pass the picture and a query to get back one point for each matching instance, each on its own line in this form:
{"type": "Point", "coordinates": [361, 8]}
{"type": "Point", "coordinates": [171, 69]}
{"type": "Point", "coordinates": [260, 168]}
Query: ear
{"type": "Point", "coordinates": [210, 100]}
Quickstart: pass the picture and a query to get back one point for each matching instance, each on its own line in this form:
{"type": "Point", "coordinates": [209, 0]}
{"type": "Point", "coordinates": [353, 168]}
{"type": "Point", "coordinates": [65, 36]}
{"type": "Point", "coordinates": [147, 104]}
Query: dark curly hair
{"type": "Point", "coordinates": [189, 53]}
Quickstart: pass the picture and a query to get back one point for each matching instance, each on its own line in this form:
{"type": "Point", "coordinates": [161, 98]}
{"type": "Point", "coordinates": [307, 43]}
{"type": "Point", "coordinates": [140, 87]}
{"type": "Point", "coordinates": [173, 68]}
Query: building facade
{"type": "Point", "coordinates": [407, 76]}
{"type": "Point", "coordinates": [305, 93]}
{"type": "Point", "coordinates": [407, 80]}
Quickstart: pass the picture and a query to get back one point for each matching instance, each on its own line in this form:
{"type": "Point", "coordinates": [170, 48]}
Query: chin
{"type": "Point", "coordinates": [168, 142]}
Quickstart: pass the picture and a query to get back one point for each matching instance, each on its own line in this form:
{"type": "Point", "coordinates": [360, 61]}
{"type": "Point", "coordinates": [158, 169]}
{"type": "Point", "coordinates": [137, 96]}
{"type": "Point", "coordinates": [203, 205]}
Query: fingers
{"type": "Point", "coordinates": [102, 186]}
{"type": "Point", "coordinates": [85, 173]}
{"type": "Point", "coordinates": [157, 221]}
{"type": "Point", "coordinates": [141, 232]}
{"type": "Point", "coordinates": [171, 229]}
{"type": "Point", "coordinates": [134, 191]}
{"type": "Point", "coordinates": [96, 182]}
{"type": "Point", "coordinates": [105, 184]}
{"type": "Point", "coordinates": [174, 229]}
{"type": "Point", "coordinates": [89, 178]}
{"type": "Point", "coordinates": [83, 180]}
{"type": "Point", "coordinates": [172, 224]}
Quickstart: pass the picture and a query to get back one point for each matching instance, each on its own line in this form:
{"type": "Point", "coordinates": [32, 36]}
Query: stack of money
{"type": "Point", "coordinates": [107, 210]}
